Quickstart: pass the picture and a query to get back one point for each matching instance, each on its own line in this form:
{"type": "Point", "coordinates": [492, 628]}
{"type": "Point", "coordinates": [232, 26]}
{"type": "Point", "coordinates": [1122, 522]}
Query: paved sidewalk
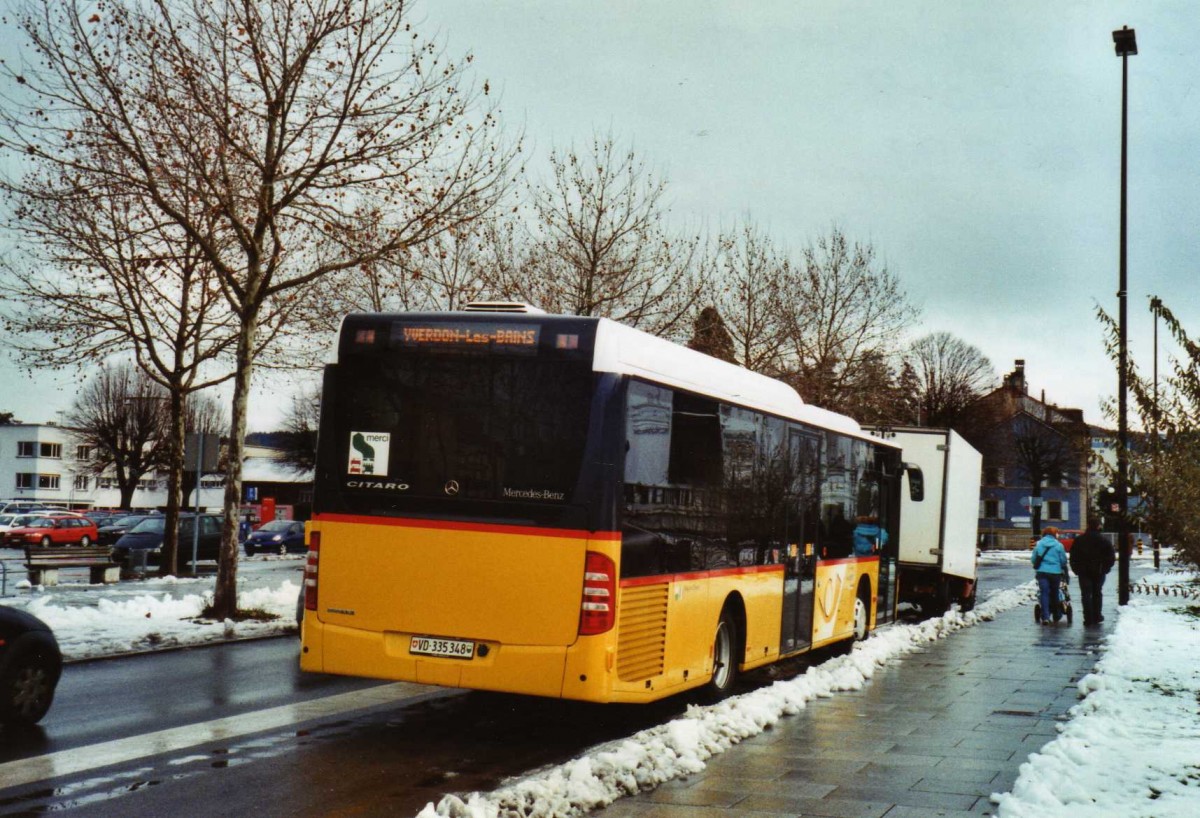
{"type": "Point", "coordinates": [934, 734]}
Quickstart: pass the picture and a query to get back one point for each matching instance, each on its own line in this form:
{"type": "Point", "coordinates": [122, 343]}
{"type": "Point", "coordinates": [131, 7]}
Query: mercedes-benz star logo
{"type": "Point", "coordinates": [451, 487]}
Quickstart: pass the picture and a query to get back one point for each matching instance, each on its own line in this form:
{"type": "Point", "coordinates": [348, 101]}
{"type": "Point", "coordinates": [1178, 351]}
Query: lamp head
{"type": "Point", "coordinates": [1125, 40]}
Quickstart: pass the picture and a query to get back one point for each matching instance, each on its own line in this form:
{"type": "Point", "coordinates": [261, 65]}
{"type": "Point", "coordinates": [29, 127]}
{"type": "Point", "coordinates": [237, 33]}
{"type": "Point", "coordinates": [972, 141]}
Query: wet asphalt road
{"type": "Point", "coordinates": [384, 760]}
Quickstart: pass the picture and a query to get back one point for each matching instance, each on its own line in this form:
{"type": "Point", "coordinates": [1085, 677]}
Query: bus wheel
{"type": "Point", "coordinates": [725, 669]}
{"type": "Point", "coordinates": [862, 617]}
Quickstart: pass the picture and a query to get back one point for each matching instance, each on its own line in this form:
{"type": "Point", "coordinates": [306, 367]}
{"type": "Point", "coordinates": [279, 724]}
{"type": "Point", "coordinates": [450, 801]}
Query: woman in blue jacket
{"type": "Point", "coordinates": [1049, 560]}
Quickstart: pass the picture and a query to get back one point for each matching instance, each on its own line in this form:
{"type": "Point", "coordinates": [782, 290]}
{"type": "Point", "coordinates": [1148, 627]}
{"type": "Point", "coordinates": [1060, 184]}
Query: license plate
{"type": "Point", "coordinates": [449, 648]}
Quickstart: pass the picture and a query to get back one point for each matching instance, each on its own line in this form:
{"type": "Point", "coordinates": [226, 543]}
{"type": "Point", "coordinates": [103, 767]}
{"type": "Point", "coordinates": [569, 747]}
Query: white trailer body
{"type": "Point", "coordinates": [939, 534]}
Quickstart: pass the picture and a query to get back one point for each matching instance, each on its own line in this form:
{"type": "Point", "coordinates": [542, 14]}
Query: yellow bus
{"type": "Point", "coordinates": [568, 507]}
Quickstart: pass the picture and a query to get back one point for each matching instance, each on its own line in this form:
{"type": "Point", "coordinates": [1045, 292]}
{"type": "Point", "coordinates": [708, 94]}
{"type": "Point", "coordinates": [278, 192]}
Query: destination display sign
{"type": "Point", "coordinates": [473, 335]}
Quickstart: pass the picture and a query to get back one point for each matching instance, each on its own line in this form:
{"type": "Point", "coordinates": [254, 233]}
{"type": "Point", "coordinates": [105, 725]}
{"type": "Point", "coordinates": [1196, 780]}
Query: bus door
{"type": "Point", "coordinates": [887, 476]}
{"type": "Point", "coordinates": [801, 523]}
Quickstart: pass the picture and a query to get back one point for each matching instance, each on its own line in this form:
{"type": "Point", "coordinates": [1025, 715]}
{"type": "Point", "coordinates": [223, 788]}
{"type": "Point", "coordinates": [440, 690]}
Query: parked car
{"type": "Point", "coordinates": [100, 519]}
{"type": "Point", "coordinates": [20, 506]}
{"type": "Point", "coordinates": [10, 521]}
{"type": "Point", "coordinates": [30, 665]}
{"type": "Point", "coordinates": [53, 529]}
{"type": "Point", "coordinates": [116, 527]}
{"type": "Point", "coordinates": [147, 537]}
{"type": "Point", "coordinates": [277, 537]}
{"type": "Point", "coordinates": [1067, 538]}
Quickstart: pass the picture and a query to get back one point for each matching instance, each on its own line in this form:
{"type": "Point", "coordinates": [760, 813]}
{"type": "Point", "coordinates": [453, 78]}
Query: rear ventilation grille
{"type": "Point", "coordinates": [643, 627]}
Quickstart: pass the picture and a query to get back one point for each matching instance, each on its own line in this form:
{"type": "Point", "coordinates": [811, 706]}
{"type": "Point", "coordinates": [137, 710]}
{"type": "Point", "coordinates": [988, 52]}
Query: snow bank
{"type": "Point", "coordinates": [116, 625]}
{"type": "Point", "coordinates": [680, 747]}
{"type": "Point", "coordinates": [1132, 746]}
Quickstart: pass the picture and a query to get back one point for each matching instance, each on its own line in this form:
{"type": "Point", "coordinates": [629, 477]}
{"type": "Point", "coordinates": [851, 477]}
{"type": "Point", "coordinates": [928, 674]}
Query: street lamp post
{"type": "Point", "coordinates": [1126, 45]}
{"type": "Point", "coordinates": [1156, 308]}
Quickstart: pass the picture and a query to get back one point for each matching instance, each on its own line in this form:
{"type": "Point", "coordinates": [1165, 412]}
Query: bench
{"type": "Point", "coordinates": [43, 561]}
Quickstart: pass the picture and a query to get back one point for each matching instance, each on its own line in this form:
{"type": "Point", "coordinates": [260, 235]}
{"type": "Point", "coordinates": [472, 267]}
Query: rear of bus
{"type": "Point", "coordinates": [463, 531]}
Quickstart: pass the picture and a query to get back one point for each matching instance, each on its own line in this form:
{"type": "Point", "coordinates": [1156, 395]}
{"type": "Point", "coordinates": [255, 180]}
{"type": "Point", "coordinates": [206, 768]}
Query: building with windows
{"type": "Point", "coordinates": [46, 463]}
{"type": "Point", "coordinates": [42, 462]}
{"type": "Point", "coordinates": [1033, 451]}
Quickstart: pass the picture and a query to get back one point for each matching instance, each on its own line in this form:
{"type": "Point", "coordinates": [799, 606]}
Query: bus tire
{"type": "Point", "coordinates": [862, 615]}
{"type": "Point", "coordinates": [725, 645]}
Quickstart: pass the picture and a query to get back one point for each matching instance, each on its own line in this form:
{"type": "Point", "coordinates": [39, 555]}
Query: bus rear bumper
{"type": "Point", "coordinates": [528, 669]}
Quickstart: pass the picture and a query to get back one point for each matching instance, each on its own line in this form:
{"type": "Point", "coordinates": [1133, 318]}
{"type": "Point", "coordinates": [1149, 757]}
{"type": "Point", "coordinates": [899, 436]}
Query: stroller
{"type": "Point", "coordinates": [1060, 607]}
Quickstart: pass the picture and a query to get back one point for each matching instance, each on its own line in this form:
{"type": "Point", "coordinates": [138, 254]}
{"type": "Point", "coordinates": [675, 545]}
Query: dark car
{"type": "Point", "coordinates": [100, 518]}
{"type": "Point", "coordinates": [145, 539]}
{"type": "Point", "coordinates": [277, 537]}
{"type": "Point", "coordinates": [30, 664]}
{"type": "Point", "coordinates": [114, 529]}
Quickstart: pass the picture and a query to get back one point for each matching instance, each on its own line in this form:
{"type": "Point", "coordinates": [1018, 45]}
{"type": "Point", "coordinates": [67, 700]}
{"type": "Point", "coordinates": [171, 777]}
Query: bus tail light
{"type": "Point", "coordinates": [598, 610]}
{"type": "Point", "coordinates": [310, 571]}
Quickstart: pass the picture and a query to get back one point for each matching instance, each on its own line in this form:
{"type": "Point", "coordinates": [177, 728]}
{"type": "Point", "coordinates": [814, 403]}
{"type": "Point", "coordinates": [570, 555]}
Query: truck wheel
{"type": "Point", "coordinates": [725, 670]}
{"type": "Point", "coordinates": [941, 598]}
{"type": "Point", "coordinates": [968, 603]}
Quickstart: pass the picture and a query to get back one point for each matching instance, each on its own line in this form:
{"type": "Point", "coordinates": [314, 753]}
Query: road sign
{"type": "Point", "coordinates": [1030, 502]}
{"type": "Point", "coordinates": [207, 446]}
{"type": "Point", "coordinates": [1021, 522]}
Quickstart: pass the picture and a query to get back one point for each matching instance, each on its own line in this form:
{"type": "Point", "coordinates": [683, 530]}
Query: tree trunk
{"type": "Point", "coordinates": [1035, 511]}
{"type": "Point", "coordinates": [225, 594]}
{"type": "Point", "coordinates": [168, 561]}
{"type": "Point", "coordinates": [126, 489]}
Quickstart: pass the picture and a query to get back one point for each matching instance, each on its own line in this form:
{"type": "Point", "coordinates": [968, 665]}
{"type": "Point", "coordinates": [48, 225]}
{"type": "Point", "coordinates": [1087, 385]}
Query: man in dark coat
{"type": "Point", "coordinates": [1092, 557]}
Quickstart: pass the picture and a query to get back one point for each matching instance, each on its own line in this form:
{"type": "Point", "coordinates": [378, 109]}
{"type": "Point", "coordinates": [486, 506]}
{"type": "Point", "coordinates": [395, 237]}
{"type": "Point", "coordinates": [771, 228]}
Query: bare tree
{"type": "Point", "coordinates": [444, 273]}
{"type": "Point", "coordinates": [598, 244]}
{"type": "Point", "coordinates": [951, 375]}
{"type": "Point", "coordinates": [120, 413]}
{"type": "Point", "coordinates": [750, 276]}
{"type": "Point", "coordinates": [300, 425]}
{"type": "Point", "coordinates": [325, 136]}
{"type": "Point", "coordinates": [98, 271]}
{"type": "Point", "coordinates": [1043, 454]}
{"type": "Point", "coordinates": [844, 311]}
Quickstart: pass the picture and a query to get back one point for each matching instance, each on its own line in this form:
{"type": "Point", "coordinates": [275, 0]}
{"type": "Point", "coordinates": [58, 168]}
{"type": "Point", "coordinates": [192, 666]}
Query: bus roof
{"type": "Point", "coordinates": [627, 351]}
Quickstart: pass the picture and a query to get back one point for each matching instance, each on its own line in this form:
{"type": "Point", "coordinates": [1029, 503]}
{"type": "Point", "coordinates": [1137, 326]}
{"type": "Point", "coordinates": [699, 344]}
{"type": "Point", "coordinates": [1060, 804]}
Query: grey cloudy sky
{"type": "Point", "coordinates": [974, 144]}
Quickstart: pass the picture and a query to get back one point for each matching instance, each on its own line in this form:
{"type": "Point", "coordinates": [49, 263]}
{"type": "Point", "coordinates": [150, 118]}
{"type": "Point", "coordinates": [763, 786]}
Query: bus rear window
{"type": "Point", "coordinates": [461, 428]}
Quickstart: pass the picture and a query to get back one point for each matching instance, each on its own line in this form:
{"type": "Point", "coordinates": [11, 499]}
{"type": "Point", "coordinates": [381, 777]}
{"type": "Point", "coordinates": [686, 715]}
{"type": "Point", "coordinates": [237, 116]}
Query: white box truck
{"type": "Point", "coordinates": [939, 534]}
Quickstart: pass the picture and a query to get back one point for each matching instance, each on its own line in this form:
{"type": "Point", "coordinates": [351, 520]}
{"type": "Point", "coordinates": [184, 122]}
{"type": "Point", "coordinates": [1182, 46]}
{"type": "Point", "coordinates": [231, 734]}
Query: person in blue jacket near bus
{"type": "Point", "coordinates": [869, 538]}
{"type": "Point", "coordinates": [1049, 560]}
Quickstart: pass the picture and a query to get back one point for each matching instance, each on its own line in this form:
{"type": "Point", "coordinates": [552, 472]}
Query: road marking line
{"type": "Point", "coordinates": [119, 751]}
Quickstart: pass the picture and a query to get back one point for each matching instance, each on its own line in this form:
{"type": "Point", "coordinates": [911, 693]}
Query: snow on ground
{"type": "Point", "coordinates": [90, 621]}
{"type": "Point", "coordinates": [680, 747]}
{"type": "Point", "coordinates": [1132, 746]}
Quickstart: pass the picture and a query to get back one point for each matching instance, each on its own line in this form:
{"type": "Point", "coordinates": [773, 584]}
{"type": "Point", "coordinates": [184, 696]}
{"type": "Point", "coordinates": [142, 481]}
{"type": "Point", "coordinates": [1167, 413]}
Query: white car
{"type": "Point", "coordinates": [10, 521]}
